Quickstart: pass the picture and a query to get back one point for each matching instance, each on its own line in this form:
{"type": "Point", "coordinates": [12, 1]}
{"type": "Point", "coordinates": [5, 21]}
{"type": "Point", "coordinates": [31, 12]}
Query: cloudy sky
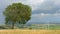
{"type": "Point", "coordinates": [42, 10]}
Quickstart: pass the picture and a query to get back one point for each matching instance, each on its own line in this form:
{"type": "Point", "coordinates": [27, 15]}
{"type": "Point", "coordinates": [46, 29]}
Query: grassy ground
{"type": "Point", "coordinates": [46, 26]}
{"type": "Point", "coordinates": [35, 27]}
{"type": "Point", "coordinates": [19, 31]}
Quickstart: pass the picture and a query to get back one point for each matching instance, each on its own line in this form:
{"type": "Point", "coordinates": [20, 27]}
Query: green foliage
{"type": "Point", "coordinates": [30, 28]}
{"type": "Point", "coordinates": [17, 12]}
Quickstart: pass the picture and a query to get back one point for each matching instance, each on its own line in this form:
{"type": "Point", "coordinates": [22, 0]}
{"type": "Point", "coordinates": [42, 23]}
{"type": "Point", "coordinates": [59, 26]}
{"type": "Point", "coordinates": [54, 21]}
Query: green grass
{"type": "Point", "coordinates": [46, 26]}
{"type": "Point", "coordinates": [55, 27]}
{"type": "Point", "coordinates": [36, 27]}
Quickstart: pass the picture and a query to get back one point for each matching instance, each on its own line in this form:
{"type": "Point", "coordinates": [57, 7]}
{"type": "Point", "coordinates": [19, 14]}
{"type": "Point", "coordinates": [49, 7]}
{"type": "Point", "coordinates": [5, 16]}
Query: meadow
{"type": "Point", "coordinates": [45, 26]}
{"type": "Point", "coordinates": [32, 29]}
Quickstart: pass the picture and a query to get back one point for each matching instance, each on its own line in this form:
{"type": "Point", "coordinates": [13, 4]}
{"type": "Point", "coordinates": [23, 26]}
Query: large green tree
{"type": "Point", "coordinates": [17, 12]}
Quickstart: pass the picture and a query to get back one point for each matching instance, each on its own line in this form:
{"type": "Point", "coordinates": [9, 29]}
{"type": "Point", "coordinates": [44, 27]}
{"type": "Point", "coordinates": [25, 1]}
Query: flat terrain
{"type": "Point", "coordinates": [20, 31]}
{"type": "Point", "coordinates": [33, 29]}
{"type": "Point", "coordinates": [34, 26]}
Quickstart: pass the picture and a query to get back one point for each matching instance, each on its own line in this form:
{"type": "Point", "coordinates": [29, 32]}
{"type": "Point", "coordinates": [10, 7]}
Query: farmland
{"type": "Point", "coordinates": [33, 29]}
{"type": "Point", "coordinates": [19, 31]}
{"type": "Point", "coordinates": [44, 26]}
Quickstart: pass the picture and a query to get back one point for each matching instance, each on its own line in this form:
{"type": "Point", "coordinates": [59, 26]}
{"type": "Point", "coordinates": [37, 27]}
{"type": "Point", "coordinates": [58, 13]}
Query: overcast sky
{"type": "Point", "coordinates": [42, 10]}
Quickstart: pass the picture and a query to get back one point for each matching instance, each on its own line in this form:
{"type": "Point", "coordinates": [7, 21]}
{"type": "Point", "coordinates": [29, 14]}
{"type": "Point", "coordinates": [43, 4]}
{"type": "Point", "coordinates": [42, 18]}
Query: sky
{"type": "Point", "coordinates": [43, 11]}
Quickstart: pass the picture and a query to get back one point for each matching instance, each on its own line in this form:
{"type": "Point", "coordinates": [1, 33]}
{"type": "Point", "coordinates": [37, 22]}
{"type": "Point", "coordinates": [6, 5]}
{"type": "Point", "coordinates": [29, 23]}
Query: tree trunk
{"type": "Point", "coordinates": [13, 25]}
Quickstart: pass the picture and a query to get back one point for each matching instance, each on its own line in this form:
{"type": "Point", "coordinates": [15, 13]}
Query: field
{"type": "Point", "coordinates": [19, 31]}
{"type": "Point", "coordinates": [46, 26]}
{"type": "Point", "coordinates": [33, 29]}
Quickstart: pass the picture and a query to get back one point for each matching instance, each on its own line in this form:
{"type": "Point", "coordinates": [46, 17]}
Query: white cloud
{"type": "Point", "coordinates": [58, 11]}
{"type": "Point", "coordinates": [57, 2]}
{"type": "Point", "coordinates": [35, 3]}
{"type": "Point", "coordinates": [56, 14]}
{"type": "Point", "coordinates": [32, 3]}
{"type": "Point", "coordinates": [45, 17]}
{"type": "Point", "coordinates": [47, 8]}
{"type": "Point", "coordinates": [42, 15]}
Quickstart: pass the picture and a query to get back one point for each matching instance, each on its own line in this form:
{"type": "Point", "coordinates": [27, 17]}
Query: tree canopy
{"type": "Point", "coordinates": [17, 12]}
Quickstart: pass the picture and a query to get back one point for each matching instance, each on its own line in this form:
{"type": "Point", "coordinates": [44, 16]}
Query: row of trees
{"type": "Point", "coordinates": [17, 13]}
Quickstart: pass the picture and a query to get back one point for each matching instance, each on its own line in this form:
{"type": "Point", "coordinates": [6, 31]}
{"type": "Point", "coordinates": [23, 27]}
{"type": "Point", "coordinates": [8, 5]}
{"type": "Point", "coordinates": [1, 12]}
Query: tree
{"type": "Point", "coordinates": [17, 12]}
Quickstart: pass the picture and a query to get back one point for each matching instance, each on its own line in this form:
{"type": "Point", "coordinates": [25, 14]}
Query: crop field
{"type": "Point", "coordinates": [19, 31]}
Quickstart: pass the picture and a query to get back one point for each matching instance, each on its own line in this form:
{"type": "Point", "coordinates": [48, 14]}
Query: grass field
{"type": "Point", "coordinates": [34, 29]}
{"type": "Point", "coordinates": [46, 26]}
{"type": "Point", "coordinates": [19, 31]}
